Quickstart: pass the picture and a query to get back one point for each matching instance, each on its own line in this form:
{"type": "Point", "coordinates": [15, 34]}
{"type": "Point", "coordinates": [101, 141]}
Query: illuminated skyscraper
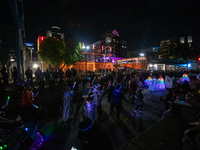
{"type": "Point", "coordinates": [55, 32]}
{"type": "Point", "coordinates": [182, 40]}
{"type": "Point", "coordinates": [189, 40]}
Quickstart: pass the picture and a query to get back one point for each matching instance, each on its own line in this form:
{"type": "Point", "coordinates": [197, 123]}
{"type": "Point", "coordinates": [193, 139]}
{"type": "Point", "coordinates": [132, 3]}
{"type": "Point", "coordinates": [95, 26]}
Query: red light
{"type": "Point", "coordinates": [102, 47]}
{"type": "Point", "coordinates": [199, 59]}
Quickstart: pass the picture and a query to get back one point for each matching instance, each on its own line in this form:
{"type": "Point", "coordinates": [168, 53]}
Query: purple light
{"type": "Point", "coordinates": [117, 58]}
{"type": "Point", "coordinates": [115, 32]}
{"type": "Point", "coordinates": [39, 139]}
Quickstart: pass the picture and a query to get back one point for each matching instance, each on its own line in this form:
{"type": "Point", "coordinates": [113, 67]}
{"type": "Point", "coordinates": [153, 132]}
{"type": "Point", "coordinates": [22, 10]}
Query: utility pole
{"type": "Point", "coordinates": [85, 67]}
{"type": "Point", "coordinates": [105, 63]}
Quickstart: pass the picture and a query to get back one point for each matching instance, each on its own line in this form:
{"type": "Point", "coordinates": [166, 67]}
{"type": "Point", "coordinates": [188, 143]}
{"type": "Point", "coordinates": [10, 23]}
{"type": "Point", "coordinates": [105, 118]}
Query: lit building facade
{"type": "Point", "coordinates": [111, 45]}
{"type": "Point", "coordinates": [12, 36]}
{"type": "Point", "coordinates": [105, 53]}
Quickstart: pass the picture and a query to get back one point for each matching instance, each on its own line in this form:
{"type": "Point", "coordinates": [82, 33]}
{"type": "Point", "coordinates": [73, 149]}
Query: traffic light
{"type": "Point", "coordinates": [199, 59]}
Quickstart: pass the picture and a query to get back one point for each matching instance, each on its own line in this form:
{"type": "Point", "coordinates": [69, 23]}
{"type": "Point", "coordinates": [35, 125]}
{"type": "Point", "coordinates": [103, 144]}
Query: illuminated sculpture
{"type": "Point", "coordinates": [161, 84]}
{"type": "Point", "coordinates": [148, 81]}
{"type": "Point", "coordinates": [152, 85]}
{"type": "Point", "coordinates": [185, 78]}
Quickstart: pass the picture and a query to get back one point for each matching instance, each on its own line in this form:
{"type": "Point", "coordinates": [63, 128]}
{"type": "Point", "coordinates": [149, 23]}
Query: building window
{"type": "Point", "coordinates": [114, 40]}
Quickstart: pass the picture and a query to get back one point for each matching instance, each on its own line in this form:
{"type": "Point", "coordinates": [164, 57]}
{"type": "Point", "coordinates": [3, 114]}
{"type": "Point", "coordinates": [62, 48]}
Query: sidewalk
{"type": "Point", "coordinates": [166, 134]}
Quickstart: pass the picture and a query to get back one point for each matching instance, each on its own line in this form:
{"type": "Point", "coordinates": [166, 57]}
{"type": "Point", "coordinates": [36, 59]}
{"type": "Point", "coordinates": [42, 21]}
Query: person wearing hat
{"type": "Point", "coordinates": [94, 138]}
{"type": "Point", "coordinates": [116, 102]}
{"type": "Point", "coordinates": [139, 100]}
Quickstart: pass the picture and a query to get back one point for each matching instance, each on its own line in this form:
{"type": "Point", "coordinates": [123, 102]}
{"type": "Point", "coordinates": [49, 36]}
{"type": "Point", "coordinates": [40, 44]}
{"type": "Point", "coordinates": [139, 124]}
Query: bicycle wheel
{"type": "Point", "coordinates": [39, 140]}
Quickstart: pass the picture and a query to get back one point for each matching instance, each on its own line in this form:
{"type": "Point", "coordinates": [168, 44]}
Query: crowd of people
{"type": "Point", "coordinates": [88, 92]}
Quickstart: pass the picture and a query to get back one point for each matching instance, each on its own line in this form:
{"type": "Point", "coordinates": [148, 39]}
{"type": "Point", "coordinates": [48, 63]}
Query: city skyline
{"type": "Point", "coordinates": [142, 24]}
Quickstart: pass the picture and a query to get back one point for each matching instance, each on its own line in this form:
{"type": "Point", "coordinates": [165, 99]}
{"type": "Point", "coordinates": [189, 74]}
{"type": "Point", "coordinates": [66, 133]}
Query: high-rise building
{"type": "Point", "coordinates": [189, 40]}
{"type": "Point", "coordinates": [55, 32]}
{"type": "Point", "coordinates": [182, 40]}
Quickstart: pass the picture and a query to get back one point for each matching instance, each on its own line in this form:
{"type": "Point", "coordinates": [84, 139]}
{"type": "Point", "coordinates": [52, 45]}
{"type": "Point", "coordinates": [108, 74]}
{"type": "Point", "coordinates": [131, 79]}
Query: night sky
{"type": "Point", "coordinates": [142, 24]}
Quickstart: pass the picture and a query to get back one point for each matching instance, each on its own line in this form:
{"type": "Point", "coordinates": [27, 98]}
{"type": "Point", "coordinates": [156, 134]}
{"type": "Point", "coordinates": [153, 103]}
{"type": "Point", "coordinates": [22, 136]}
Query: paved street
{"type": "Point", "coordinates": [64, 136]}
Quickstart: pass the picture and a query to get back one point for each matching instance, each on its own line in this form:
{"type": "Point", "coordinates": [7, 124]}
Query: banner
{"type": "Point", "coordinates": [179, 80]}
{"type": "Point", "coordinates": [168, 82]}
{"type": "Point", "coordinates": [198, 76]}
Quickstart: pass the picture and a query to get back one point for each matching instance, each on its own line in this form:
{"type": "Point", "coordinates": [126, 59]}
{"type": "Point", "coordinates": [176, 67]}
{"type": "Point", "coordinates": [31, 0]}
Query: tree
{"type": "Point", "coordinates": [57, 52]}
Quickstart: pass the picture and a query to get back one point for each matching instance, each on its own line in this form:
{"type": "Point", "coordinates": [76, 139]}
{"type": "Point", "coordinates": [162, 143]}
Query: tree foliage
{"type": "Point", "coordinates": [58, 52]}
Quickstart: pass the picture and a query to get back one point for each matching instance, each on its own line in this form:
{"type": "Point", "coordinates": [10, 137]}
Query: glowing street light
{"type": "Point", "coordinates": [142, 54]}
{"type": "Point", "coordinates": [35, 66]}
{"type": "Point", "coordinates": [87, 47]}
{"type": "Point", "coordinates": [83, 47]}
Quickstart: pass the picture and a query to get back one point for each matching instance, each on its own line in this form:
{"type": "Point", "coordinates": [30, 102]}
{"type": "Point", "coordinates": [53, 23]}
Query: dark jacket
{"type": "Point", "coordinates": [117, 97]}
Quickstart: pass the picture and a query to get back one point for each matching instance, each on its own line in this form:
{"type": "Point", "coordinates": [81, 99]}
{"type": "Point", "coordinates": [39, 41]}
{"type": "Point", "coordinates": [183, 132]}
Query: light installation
{"type": "Point", "coordinates": [148, 81]}
{"type": "Point", "coordinates": [185, 78]}
{"type": "Point", "coordinates": [161, 84]}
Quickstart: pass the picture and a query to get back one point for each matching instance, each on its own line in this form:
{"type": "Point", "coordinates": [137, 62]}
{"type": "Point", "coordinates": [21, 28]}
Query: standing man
{"type": "Point", "coordinates": [38, 74]}
{"type": "Point", "coordinates": [14, 75]}
{"type": "Point", "coordinates": [5, 76]}
{"type": "Point", "coordinates": [29, 74]}
{"type": "Point", "coordinates": [47, 76]}
{"type": "Point", "coordinates": [117, 97]}
{"type": "Point", "coordinates": [133, 88]}
{"type": "Point", "coordinates": [140, 100]}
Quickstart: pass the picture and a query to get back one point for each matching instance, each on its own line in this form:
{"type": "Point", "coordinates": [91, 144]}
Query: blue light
{"type": "Point", "coordinates": [86, 128]}
{"type": "Point", "coordinates": [189, 65]}
{"type": "Point", "coordinates": [28, 44]}
{"type": "Point", "coordinates": [26, 129]}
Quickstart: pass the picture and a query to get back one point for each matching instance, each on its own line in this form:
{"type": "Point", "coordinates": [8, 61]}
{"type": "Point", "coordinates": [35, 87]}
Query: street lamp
{"type": "Point", "coordinates": [87, 47]}
{"type": "Point", "coordinates": [142, 54]}
{"type": "Point", "coordinates": [35, 66]}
